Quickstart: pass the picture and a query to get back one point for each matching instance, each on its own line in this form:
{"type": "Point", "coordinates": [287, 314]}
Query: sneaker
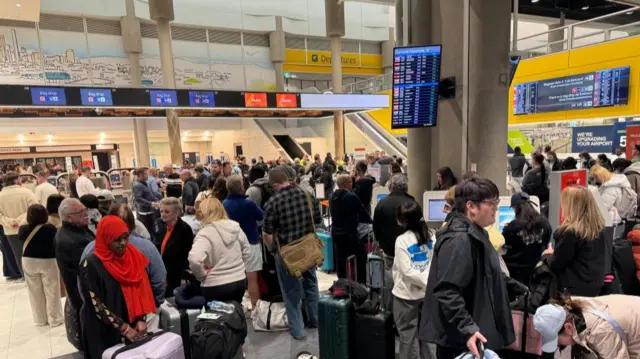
{"type": "Point", "coordinates": [306, 355]}
{"type": "Point", "coordinates": [302, 337]}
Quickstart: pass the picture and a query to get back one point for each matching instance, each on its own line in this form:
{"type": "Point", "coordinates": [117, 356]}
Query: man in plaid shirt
{"type": "Point", "coordinates": [288, 217]}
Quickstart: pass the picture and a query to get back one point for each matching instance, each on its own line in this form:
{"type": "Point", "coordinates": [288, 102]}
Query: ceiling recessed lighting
{"type": "Point", "coordinates": [629, 13]}
{"type": "Point", "coordinates": [206, 133]}
{"type": "Point", "coordinates": [534, 1]}
{"type": "Point", "coordinates": [586, 7]}
{"type": "Point", "coordinates": [18, 5]}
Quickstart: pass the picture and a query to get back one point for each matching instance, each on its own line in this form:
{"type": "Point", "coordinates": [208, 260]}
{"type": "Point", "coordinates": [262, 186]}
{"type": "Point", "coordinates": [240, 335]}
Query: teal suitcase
{"type": "Point", "coordinates": [335, 317]}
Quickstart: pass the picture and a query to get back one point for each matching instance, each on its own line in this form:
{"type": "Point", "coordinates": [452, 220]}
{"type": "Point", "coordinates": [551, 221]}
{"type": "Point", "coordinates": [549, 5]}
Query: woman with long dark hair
{"type": "Point", "coordinates": [446, 179]}
{"type": "Point", "coordinates": [526, 237]}
{"type": "Point", "coordinates": [413, 252]}
{"type": "Point", "coordinates": [535, 180]}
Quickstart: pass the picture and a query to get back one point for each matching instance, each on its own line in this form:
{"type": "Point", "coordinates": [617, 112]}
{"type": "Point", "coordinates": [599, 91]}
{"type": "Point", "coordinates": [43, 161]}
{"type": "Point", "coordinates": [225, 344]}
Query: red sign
{"type": "Point", "coordinates": [633, 138]}
{"type": "Point", "coordinates": [572, 178]}
{"type": "Point", "coordinates": [255, 99]}
{"type": "Point", "coordinates": [286, 100]}
{"type": "Point", "coordinates": [87, 163]}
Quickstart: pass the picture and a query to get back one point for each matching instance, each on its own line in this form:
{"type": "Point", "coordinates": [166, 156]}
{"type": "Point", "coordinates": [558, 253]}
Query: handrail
{"type": "Point", "coordinates": [569, 36]}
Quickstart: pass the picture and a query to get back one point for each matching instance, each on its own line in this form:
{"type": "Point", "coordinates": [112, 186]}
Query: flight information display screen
{"type": "Point", "coordinates": [96, 97]}
{"type": "Point", "coordinates": [163, 98]}
{"type": "Point", "coordinates": [45, 96]}
{"type": "Point", "coordinates": [594, 89]}
{"type": "Point", "coordinates": [201, 99]}
{"type": "Point", "coordinates": [416, 76]}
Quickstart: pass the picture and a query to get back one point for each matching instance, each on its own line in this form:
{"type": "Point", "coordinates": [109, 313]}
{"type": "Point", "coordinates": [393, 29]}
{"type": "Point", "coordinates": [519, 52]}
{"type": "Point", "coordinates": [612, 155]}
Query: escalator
{"type": "Point", "coordinates": [293, 149]}
{"type": "Point", "coordinates": [378, 135]}
{"type": "Point", "coordinates": [273, 140]}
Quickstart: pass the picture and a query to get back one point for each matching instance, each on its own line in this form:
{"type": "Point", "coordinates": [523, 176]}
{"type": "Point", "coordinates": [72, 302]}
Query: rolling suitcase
{"type": "Point", "coordinates": [528, 343]}
{"type": "Point", "coordinates": [327, 264]}
{"type": "Point", "coordinates": [335, 319]}
{"type": "Point", "coordinates": [178, 321]}
{"type": "Point", "coordinates": [374, 334]}
{"type": "Point", "coordinates": [160, 345]}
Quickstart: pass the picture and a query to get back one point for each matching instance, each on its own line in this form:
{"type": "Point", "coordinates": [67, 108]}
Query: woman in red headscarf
{"type": "Point", "coordinates": [116, 289]}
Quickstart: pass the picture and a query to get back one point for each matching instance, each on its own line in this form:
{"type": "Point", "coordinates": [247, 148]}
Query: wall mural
{"type": "Point", "coordinates": [72, 58]}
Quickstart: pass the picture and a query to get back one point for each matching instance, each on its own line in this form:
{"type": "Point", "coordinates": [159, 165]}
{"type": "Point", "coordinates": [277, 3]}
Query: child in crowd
{"type": "Point", "coordinates": [413, 253]}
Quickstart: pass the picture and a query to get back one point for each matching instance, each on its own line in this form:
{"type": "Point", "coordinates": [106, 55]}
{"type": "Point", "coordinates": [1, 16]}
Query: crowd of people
{"type": "Point", "coordinates": [448, 289]}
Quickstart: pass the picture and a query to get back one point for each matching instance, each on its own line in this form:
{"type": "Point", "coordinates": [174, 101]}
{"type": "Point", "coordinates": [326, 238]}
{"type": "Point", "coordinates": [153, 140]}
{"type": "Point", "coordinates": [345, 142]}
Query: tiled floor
{"type": "Point", "coordinates": [21, 339]}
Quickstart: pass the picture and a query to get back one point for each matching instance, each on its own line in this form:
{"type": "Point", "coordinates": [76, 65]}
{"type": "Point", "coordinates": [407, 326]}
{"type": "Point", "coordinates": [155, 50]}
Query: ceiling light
{"type": "Point", "coordinates": [586, 7]}
{"type": "Point", "coordinates": [206, 133]}
{"type": "Point", "coordinates": [103, 135]}
{"type": "Point", "coordinates": [534, 1]}
{"type": "Point", "coordinates": [629, 13]}
{"type": "Point", "coordinates": [18, 5]}
{"type": "Point", "coordinates": [185, 133]}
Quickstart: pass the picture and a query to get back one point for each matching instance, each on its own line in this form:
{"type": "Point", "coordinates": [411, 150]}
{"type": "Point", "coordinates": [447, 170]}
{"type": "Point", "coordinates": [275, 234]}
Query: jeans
{"type": "Point", "coordinates": [293, 291]}
{"type": "Point", "coordinates": [16, 247]}
{"type": "Point", "coordinates": [9, 266]}
{"type": "Point", "coordinates": [233, 291]}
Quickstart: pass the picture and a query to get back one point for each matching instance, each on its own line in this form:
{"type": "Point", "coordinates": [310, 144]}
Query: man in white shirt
{"type": "Point", "coordinates": [84, 184]}
{"type": "Point", "coordinates": [44, 189]}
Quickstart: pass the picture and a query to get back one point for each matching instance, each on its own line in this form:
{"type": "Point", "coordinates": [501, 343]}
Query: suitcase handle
{"type": "Point", "coordinates": [138, 343]}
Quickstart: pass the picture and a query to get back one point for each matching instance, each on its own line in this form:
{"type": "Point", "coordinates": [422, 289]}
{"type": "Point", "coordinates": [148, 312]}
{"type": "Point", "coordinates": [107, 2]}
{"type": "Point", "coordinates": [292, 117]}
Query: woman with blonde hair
{"type": "Point", "coordinates": [219, 253]}
{"type": "Point", "coordinates": [611, 187]}
{"type": "Point", "coordinates": [579, 257]}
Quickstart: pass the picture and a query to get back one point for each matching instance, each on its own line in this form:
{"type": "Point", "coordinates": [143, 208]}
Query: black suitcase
{"type": "Point", "coordinates": [374, 334]}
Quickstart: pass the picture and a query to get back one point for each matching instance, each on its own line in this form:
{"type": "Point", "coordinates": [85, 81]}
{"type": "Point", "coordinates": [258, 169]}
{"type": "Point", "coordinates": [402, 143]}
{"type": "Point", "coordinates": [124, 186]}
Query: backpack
{"type": "Point", "coordinates": [266, 192]}
{"type": "Point", "coordinates": [628, 205]}
{"type": "Point", "coordinates": [222, 335]}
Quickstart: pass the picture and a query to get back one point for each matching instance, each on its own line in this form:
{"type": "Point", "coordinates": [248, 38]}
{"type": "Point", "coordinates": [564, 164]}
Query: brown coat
{"type": "Point", "coordinates": [601, 338]}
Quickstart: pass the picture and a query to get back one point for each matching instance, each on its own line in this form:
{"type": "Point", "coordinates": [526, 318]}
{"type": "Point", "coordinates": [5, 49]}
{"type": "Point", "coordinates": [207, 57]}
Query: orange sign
{"type": "Point", "coordinates": [286, 100]}
{"type": "Point", "coordinates": [255, 99]}
{"type": "Point", "coordinates": [572, 178]}
{"type": "Point", "coordinates": [633, 138]}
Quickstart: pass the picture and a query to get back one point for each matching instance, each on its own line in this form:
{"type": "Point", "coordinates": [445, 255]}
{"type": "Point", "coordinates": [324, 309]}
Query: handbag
{"type": "Point", "coordinates": [269, 317]}
{"type": "Point", "coordinates": [304, 253]}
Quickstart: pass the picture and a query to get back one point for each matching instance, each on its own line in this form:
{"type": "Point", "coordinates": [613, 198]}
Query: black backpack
{"type": "Point", "coordinates": [220, 338]}
{"type": "Point", "coordinates": [266, 192]}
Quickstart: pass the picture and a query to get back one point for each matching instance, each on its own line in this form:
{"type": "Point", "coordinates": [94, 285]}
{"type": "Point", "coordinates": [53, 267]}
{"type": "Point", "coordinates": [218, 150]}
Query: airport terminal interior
{"type": "Point", "coordinates": [118, 85]}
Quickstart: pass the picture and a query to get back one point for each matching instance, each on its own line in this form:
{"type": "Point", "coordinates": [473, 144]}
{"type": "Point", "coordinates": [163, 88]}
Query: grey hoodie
{"type": "Point", "coordinates": [219, 253]}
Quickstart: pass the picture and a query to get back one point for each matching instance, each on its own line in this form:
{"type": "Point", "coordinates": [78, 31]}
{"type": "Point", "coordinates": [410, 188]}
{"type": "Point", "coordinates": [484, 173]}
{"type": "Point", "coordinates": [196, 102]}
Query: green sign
{"type": "Point", "coordinates": [287, 75]}
{"type": "Point", "coordinates": [515, 138]}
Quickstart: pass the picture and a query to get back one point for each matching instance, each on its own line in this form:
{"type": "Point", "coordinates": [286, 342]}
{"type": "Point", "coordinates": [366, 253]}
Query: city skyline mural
{"type": "Point", "coordinates": [71, 58]}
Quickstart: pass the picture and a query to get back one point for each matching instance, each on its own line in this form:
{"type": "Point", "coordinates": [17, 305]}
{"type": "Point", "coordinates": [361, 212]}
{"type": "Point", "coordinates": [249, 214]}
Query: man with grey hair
{"type": "Point", "coordinates": [247, 213]}
{"type": "Point", "coordinates": [385, 223]}
{"type": "Point", "coordinates": [347, 212]}
{"type": "Point", "coordinates": [71, 239]}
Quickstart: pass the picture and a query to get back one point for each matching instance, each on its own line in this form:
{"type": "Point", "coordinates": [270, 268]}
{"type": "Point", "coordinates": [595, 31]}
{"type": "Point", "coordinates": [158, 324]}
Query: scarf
{"type": "Point", "coordinates": [129, 270]}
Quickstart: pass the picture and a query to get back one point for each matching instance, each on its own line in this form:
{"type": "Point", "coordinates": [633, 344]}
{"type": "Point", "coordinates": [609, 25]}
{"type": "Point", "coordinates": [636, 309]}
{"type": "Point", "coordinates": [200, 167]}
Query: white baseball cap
{"type": "Point", "coordinates": [548, 321]}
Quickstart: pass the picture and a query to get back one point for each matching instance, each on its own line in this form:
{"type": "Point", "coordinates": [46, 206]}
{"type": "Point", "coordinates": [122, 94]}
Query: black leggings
{"type": "Point", "coordinates": [226, 292]}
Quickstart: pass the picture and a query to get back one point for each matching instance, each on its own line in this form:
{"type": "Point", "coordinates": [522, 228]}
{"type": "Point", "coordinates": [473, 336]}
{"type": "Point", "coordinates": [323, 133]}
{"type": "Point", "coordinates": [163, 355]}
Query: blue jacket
{"type": "Point", "coordinates": [246, 213]}
{"type": "Point", "coordinates": [156, 270]}
{"type": "Point", "coordinates": [144, 197]}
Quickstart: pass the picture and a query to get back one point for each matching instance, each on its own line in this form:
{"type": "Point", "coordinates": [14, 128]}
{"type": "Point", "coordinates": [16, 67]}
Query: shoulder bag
{"type": "Point", "coordinates": [304, 253]}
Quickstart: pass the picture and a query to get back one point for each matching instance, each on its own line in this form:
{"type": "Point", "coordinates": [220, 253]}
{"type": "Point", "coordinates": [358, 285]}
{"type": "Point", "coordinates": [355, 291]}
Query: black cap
{"type": "Point", "coordinates": [521, 198]}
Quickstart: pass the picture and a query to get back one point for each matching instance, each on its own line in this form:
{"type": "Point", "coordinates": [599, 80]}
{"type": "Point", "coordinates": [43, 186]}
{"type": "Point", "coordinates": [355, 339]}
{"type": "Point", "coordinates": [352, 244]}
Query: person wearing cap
{"type": "Point", "coordinates": [605, 327]}
{"type": "Point", "coordinates": [526, 237]}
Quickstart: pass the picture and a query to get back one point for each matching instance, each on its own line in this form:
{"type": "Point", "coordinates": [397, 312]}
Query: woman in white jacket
{"type": "Point", "coordinates": [219, 253]}
{"type": "Point", "coordinates": [611, 188]}
{"type": "Point", "coordinates": [413, 252]}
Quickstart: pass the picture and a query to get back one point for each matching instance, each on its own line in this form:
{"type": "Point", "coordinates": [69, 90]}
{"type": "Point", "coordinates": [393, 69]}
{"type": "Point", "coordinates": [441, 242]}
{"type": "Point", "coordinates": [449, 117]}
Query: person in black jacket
{"type": "Point", "coordinates": [347, 212]}
{"type": "Point", "coordinates": [554, 163]}
{"type": "Point", "coordinates": [327, 178]}
{"type": "Point", "coordinates": [363, 185]}
{"type": "Point", "coordinates": [190, 189]}
{"type": "Point", "coordinates": [517, 162]}
{"type": "Point", "coordinates": [175, 241]}
{"type": "Point", "coordinates": [578, 259]}
{"type": "Point", "coordinates": [71, 239]}
{"type": "Point", "coordinates": [385, 224]}
{"type": "Point", "coordinates": [445, 179]}
{"type": "Point", "coordinates": [535, 180]}
{"type": "Point", "coordinates": [466, 299]}
{"type": "Point", "coordinates": [605, 162]}
{"type": "Point", "coordinates": [525, 238]}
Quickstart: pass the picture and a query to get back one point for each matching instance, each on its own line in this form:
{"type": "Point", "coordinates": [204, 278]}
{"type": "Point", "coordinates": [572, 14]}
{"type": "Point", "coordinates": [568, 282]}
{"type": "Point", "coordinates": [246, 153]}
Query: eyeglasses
{"type": "Point", "coordinates": [82, 211]}
{"type": "Point", "coordinates": [492, 202]}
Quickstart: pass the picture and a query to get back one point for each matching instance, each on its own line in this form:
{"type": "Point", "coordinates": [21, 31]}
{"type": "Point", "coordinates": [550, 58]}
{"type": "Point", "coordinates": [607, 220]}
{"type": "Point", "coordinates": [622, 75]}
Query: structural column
{"type": "Point", "coordinates": [387, 52]}
{"type": "Point", "coordinates": [161, 12]}
{"type": "Point", "coordinates": [277, 52]}
{"type": "Point", "coordinates": [334, 20]}
{"type": "Point", "coordinates": [471, 132]}
{"type": "Point", "coordinates": [558, 36]}
{"type": "Point", "coordinates": [132, 44]}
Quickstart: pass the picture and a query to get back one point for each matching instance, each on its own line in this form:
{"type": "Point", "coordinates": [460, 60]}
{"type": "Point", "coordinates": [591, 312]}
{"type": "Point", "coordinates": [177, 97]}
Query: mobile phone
{"type": "Point", "coordinates": [480, 347]}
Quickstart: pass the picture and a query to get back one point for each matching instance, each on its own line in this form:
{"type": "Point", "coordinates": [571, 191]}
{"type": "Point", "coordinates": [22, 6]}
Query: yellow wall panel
{"type": "Point", "coordinates": [383, 117]}
{"type": "Point", "coordinates": [320, 62]}
{"type": "Point", "coordinates": [619, 53]}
